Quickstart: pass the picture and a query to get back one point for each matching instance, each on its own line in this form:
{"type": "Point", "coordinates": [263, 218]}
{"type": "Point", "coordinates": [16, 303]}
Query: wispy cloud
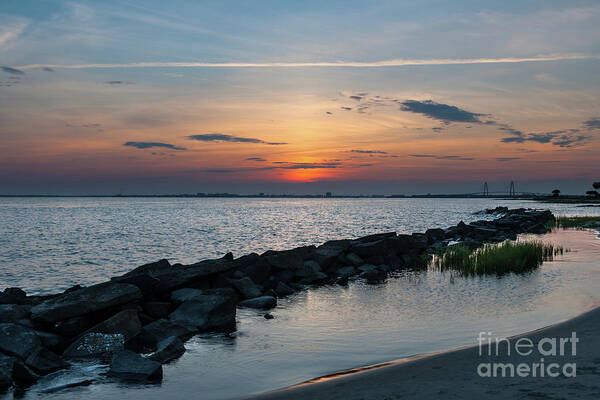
{"type": "Point", "coordinates": [368, 151]}
{"type": "Point", "coordinates": [593, 123]}
{"type": "Point", "coordinates": [14, 71]}
{"type": "Point", "coordinates": [336, 64]}
{"type": "Point", "coordinates": [442, 112]}
{"type": "Point", "coordinates": [119, 83]}
{"type": "Point", "coordinates": [564, 138]}
{"type": "Point", "coordinates": [221, 137]}
{"type": "Point", "coordinates": [506, 159]}
{"type": "Point", "coordinates": [148, 145]}
{"type": "Point", "coordinates": [258, 159]}
{"type": "Point", "coordinates": [451, 157]}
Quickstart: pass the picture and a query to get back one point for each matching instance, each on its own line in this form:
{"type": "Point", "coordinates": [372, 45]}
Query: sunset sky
{"type": "Point", "coordinates": [391, 97]}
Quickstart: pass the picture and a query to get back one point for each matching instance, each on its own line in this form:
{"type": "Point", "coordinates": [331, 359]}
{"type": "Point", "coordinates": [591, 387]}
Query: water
{"type": "Point", "coordinates": [315, 332]}
{"type": "Point", "coordinates": [50, 244]}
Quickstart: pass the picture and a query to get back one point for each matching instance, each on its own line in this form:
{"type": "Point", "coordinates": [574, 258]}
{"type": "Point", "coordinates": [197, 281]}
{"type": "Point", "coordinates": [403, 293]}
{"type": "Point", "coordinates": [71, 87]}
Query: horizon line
{"type": "Point", "coordinates": [327, 64]}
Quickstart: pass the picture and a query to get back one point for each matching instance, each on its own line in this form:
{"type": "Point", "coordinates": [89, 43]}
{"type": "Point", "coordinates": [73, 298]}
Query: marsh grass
{"type": "Point", "coordinates": [576, 222]}
{"type": "Point", "coordinates": [498, 259]}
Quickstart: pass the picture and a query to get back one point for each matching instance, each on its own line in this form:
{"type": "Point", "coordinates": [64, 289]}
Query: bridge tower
{"type": "Point", "coordinates": [511, 191]}
{"type": "Point", "coordinates": [486, 191]}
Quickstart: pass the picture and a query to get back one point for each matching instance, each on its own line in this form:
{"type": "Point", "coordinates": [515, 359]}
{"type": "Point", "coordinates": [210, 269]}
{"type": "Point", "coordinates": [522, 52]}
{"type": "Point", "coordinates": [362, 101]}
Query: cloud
{"type": "Point", "coordinates": [13, 71]}
{"type": "Point", "coordinates": [593, 123]}
{"type": "Point", "coordinates": [258, 159]}
{"type": "Point", "coordinates": [442, 112]}
{"type": "Point", "coordinates": [281, 165]}
{"type": "Point", "coordinates": [346, 108]}
{"type": "Point", "coordinates": [319, 64]}
{"type": "Point", "coordinates": [48, 69]}
{"type": "Point", "coordinates": [148, 145]}
{"type": "Point", "coordinates": [564, 138]}
{"type": "Point", "coordinates": [505, 159]}
{"type": "Point", "coordinates": [119, 83]}
{"type": "Point", "coordinates": [328, 112]}
{"type": "Point", "coordinates": [368, 151]}
{"type": "Point", "coordinates": [220, 137]}
{"type": "Point", "coordinates": [455, 158]}
{"type": "Point", "coordinates": [356, 97]}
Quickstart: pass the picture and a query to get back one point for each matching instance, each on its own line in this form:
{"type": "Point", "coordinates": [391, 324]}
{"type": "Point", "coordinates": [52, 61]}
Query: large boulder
{"type": "Point", "coordinates": [13, 296]}
{"type": "Point", "coordinates": [289, 259]}
{"type": "Point", "coordinates": [125, 323]}
{"type": "Point", "coordinates": [168, 349]}
{"type": "Point", "coordinates": [185, 294]}
{"type": "Point", "coordinates": [158, 267]}
{"type": "Point", "coordinates": [207, 312]}
{"type": "Point", "coordinates": [263, 302]}
{"type": "Point", "coordinates": [157, 331]}
{"type": "Point", "coordinates": [44, 361]}
{"type": "Point", "coordinates": [254, 267]}
{"type": "Point", "coordinates": [18, 341]}
{"type": "Point", "coordinates": [246, 287]}
{"type": "Point", "coordinates": [129, 366]}
{"type": "Point", "coordinates": [95, 344]}
{"type": "Point", "coordinates": [354, 260]}
{"type": "Point", "coordinates": [283, 290]}
{"type": "Point", "coordinates": [73, 326]}
{"type": "Point", "coordinates": [84, 301]}
{"type": "Point", "coordinates": [6, 369]}
{"type": "Point", "coordinates": [13, 312]}
{"type": "Point", "coordinates": [157, 309]}
{"type": "Point", "coordinates": [327, 255]}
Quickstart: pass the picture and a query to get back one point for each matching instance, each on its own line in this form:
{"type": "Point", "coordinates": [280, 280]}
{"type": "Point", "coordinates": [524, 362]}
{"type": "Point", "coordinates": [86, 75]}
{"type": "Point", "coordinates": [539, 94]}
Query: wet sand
{"type": "Point", "coordinates": [454, 374]}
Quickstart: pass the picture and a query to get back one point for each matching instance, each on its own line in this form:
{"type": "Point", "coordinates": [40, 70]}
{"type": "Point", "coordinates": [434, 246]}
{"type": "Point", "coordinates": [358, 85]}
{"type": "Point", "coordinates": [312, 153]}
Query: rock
{"type": "Point", "coordinates": [13, 296]}
{"type": "Point", "coordinates": [289, 259]}
{"type": "Point", "coordinates": [13, 312]}
{"type": "Point", "coordinates": [327, 255]}
{"type": "Point", "coordinates": [189, 275]}
{"type": "Point", "coordinates": [367, 268]}
{"type": "Point", "coordinates": [50, 340]}
{"type": "Point", "coordinates": [6, 368]}
{"type": "Point", "coordinates": [148, 285]}
{"type": "Point", "coordinates": [342, 280]}
{"type": "Point", "coordinates": [376, 237]}
{"type": "Point", "coordinates": [374, 276]}
{"type": "Point", "coordinates": [246, 287]}
{"type": "Point", "coordinates": [95, 344]}
{"type": "Point", "coordinates": [43, 361]}
{"type": "Point", "coordinates": [283, 290]}
{"type": "Point", "coordinates": [18, 341]}
{"type": "Point", "coordinates": [419, 241]}
{"type": "Point", "coordinates": [346, 271]}
{"type": "Point", "coordinates": [85, 301]}
{"type": "Point", "coordinates": [206, 312]}
{"type": "Point", "coordinates": [254, 267]}
{"type": "Point", "coordinates": [129, 366]}
{"type": "Point", "coordinates": [185, 294]}
{"type": "Point", "coordinates": [268, 316]}
{"type": "Point", "coordinates": [157, 331]}
{"type": "Point", "coordinates": [435, 234]}
{"type": "Point", "coordinates": [314, 278]}
{"type": "Point", "coordinates": [354, 260]}
{"type": "Point", "coordinates": [157, 309]}
{"type": "Point", "coordinates": [285, 275]}
{"type": "Point", "coordinates": [73, 326]}
{"type": "Point", "coordinates": [125, 323]}
{"type": "Point", "coordinates": [168, 349]}
{"type": "Point", "coordinates": [155, 268]}
{"type": "Point", "coordinates": [308, 268]}
{"type": "Point", "coordinates": [263, 302]}
{"type": "Point", "coordinates": [22, 374]}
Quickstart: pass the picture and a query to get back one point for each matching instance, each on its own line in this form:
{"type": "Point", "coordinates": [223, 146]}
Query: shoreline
{"type": "Point", "coordinates": [443, 375]}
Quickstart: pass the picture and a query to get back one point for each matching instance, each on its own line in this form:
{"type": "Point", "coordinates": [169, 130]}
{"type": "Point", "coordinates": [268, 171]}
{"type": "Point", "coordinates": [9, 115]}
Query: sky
{"type": "Point", "coordinates": [352, 97]}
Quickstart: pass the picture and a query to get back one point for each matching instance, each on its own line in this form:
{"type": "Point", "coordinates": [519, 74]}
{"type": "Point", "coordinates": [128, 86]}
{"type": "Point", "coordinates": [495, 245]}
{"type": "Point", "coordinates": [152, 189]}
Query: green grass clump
{"type": "Point", "coordinates": [499, 259]}
{"type": "Point", "coordinates": [576, 222]}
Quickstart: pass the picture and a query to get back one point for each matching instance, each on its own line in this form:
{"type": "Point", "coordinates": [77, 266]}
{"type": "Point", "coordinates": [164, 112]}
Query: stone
{"type": "Point", "coordinates": [6, 372]}
{"type": "Point", "coordinates": [157, 309]}
{"type": "Point", "coordinates": [168, 349]}
{"type": "Point", "coordinates": [161, 329]}
{"type": "Point", "coordinates": [246, 287]}
{"type": "Point", "coordinates": [254, 267]}
{"type": "Point", "coordinates": [283, 290]}
{"type": "Point", "coordinates": [367, 268]}
{"type": "Point", "coordinates": [73, 326]}
{"type": "Point", "coordinates": [263, 302]}
{"type": "Point", "coordinates": [129, 366]}
{"type": "Point", "coordinates": [18, 341]}
{"type": "Point", "coordinates": [44, 361]}
{"type": "Point", "coordinates": [50, 340]}
{"type": "Point", "coordinates": [22, 374]}
{"type": "Point", "coordinates": [308, 268]}
{"type": "Point", "coordinates": [314, 278]}
{"type": "Point", "coordinates": [289, 259]}
{"type": "Point", "coordinates": [13, 296]}
{"type": "Point", "coordinates": [13, 312]}
{"type": "Point", "coordinates": [354, 260]}
{"type": "Point", "coordinates": [327, 255]}
{"type": "Point", "coordinates": [435, 234]}
{"type": "Point", "coordinates": [85, 301]}
{"type": "Point", "coordinates": [95, 344]}
{"type": "Point", "coordinates": [185, 294]}
{"type": "Point", "coordinates": [206, 313]}
{"type": "Point", "coordinates": [268, 316]}
{"type": "Point", "coordinates": [158, 267]}
{"type": "Point", "coordinates": [125, 323]}
{"type": "Point", "coordinates": [376, 237]}
{"type": "Point", "coordinates": [419, 241]}
{"type": "Point", "coordinates": [374, 276]}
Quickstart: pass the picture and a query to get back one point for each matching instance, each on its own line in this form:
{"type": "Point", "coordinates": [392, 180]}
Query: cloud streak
{"type": "Point", "coordinates": [453, 158]}
{"type": "Point", "coordinates": [442, 112]}
{"type": "Point", "coordinates": [148, 145]}
{"type": "Point", "coordinates": [14, 71]}
{"type": "Point", "coordinates": [325, 64]}
{"type": "Point", "coordinates": [221, 137]}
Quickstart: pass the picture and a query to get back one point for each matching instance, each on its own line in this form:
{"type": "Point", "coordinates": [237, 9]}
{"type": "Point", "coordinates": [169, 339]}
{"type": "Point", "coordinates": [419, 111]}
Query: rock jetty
{"type": "Point", "coordinates": [140, 320]}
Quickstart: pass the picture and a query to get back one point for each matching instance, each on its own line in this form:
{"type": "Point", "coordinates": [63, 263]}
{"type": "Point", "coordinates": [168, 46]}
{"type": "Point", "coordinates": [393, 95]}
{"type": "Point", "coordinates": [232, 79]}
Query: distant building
{"type": "Point", "coordinates": [328, 194]}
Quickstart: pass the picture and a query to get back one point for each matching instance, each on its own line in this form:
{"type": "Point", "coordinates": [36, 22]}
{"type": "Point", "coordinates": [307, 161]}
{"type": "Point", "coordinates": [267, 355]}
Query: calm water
{"type": "Point", "coordinates": [314, 332]}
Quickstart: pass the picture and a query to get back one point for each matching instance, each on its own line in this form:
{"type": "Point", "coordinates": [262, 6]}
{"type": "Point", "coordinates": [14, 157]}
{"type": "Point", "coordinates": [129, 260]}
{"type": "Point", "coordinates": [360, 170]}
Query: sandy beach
{"type": "Point", "coordinates": [454, 374]}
